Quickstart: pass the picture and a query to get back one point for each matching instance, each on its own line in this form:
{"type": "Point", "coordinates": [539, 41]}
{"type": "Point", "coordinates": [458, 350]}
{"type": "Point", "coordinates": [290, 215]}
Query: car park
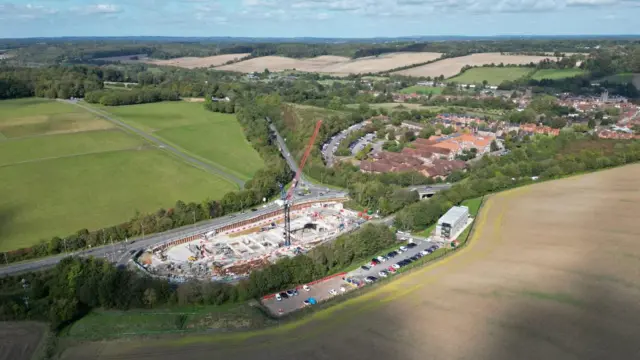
{"type": "Point", "coordinates": [370, 279]}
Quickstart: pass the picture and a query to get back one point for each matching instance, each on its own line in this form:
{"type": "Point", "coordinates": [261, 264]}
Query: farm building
{"type": "Point", "coordinates": [452, 222]}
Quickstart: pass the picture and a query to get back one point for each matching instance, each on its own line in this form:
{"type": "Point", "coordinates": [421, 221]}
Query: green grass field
{"type": "Point", "coordinates": [57, 182]}
{"type": "Point", "coordinates": [212, 137]}
{"type": "Point", "coordinates": [624, 78]}
{"type": "Point", "coordinates": [422, 90]}
{"type": "Point", "coordinates": [102, 324]}
{"type": "Point", "coordinates": [493, 75]}
{"type": "Point", "coordinates": [555, 74]}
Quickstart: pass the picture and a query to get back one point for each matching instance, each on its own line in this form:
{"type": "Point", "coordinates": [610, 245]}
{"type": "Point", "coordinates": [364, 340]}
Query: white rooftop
{"type": "Point", "coordinates": [453, 214]}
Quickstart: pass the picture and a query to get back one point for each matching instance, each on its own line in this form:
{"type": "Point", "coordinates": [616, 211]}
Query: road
{"type": "Point", "coordinates": [120, 252]}
{"type": "Point", "coordinates": [334, 142]}
{"type": "Point", "coordinates": [112, 252]}
{"type": "Point", "coordinates": [161, 144]}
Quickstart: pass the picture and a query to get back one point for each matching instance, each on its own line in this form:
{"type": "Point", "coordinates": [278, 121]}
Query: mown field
{"type": "Point", "coordinates": [555, 74]}
{"type": "Point", "coordinates": [212, 137]}
{"type": "Point", "coordinates": [423, 90]}
{"type": "Point", "coordinates": [114, 324]}
{"type": "Point", "coordinates": [493, 75]}
{"type": "Point", "coordinates": [550, 273]}
{"type": "Point", "coordinates": [64, 169]}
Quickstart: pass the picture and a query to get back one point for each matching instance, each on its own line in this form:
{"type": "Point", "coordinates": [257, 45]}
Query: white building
{"type": "Point", "coordinates": [452, 222]}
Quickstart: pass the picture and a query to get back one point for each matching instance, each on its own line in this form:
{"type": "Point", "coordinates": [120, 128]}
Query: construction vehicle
{"type": "Point", "coordinates": [288, 197]}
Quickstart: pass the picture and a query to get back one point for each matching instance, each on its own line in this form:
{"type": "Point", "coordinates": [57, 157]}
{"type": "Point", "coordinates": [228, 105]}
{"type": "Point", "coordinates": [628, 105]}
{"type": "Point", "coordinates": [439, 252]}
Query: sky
{"type": "Point", "coordinates": [316, 18]}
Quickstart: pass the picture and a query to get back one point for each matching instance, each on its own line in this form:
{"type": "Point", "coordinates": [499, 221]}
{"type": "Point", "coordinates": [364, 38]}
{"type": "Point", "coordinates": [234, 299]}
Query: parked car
{"type": "Point", "coordinates": [278, 297]}
{"type": "Point", "coordinates": [365, 267]}
{"type": "Point", "coordinates": [411, 245]}
{"type": "Point", "coordinates": [306, 288]}
{"type": "Point", "coordinates": [370, 279]}
{"type": "Point", "coordinates": [284, 295]}
{"type": "Point", "coordinates": [382, 258]}
{"type": "Point", "coordinates": [404, 248]}
{"type": "Point", "coordinates": [343, 289]}
{"type": "Point", "coordinates": [290, 293]}
{"type": "Point", "coordinates": [375, 262]}
{"type": "Point", "coordinates": [397, 265]}
{"type": "Point", "coordinates": [333, 292]}
{"type": "Point", "coordinates": [383, 273]}
{"type": "Point", "coordinates": [391, 269]}
{"type": "Point", "coordinates": [306, 302]}
{"type": "Point", "coordinates": [399, 251]}
{"type": "Point", "coordinates": [425, 252]}
{"type": "Point", "coordinates": [392, 254]}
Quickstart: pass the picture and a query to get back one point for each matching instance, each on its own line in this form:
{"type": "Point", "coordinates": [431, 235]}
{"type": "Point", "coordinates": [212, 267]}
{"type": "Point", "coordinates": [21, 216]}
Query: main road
{"type": "Point", "coordinates": [121, 252]}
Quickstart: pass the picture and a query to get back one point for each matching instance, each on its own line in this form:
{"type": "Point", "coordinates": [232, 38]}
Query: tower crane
{"type": "Point", "coordinates": [288, 198]}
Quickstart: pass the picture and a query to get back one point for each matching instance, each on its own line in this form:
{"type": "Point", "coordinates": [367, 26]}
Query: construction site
{"type": "Point", "coordinates": [231, 253]}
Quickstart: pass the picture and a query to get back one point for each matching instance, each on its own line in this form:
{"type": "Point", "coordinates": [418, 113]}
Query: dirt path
{"type": "Point", "coordinates": [163, 145]}
{"type": "Point", "coordinates": [553, 272]}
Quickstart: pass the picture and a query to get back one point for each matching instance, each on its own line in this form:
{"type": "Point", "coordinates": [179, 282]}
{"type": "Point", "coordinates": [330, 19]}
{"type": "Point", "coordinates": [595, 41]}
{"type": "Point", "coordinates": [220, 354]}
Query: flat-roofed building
{"type": "Point", "coordinates": [452, 222]}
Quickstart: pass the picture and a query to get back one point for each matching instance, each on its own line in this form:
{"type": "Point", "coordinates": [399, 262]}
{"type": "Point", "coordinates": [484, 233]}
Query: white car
{"type": "Point", "coordinates": [278, 297]}
{"type": "Point", "coordinates": [425, 252]}
{"type": "Point", "coordinates": [399, 251]}
{"type": "Point", "coordinates": [404, 248]}
{"type": "Point", "coordinates": [383, 273]}
{"type": "Point", "coordinates": [333, 292]}
{"type": "Point", "coordinates": [343, 289]}
{"type": "Point", "coordinates": [382, 258]}
{"type": "Point", "coordinates": [306, 288]}
{"type": "Point", "coordinates": [396, 266]}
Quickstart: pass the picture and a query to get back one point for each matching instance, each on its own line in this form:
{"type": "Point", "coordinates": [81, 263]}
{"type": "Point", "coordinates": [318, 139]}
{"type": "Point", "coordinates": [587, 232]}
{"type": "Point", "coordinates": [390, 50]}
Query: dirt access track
{"type": "Point", "coordinates": [552, 272]}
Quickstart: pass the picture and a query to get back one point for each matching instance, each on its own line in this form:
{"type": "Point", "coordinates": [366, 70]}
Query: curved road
{"type": "Point", "coordinates": [120, 252]}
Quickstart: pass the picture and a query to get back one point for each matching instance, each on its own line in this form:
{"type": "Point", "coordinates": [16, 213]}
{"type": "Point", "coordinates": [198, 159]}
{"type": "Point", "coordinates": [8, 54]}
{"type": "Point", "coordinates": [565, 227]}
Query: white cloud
{"type": "Point", "coordinates": [590, 2]}
{"type": "Point", "coordinates": [103, 9]}
{"type": "Point", "coordinates": [25, 12]}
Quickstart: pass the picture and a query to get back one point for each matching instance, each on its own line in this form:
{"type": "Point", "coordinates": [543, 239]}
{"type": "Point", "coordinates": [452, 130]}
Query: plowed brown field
{"type": "Point", "coordinates": [452, 66]}
{"type": "Point", "coordinates": [335, 65]}
{"type": "Point", "coordinates": [552, 272]}
{"type": "Point", "coordinates": [20, 340]}
{"type": "Point", "coordinates": [196, 62]}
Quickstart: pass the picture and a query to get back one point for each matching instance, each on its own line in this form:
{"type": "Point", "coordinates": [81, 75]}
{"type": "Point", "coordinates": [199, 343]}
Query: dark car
{"type": "Point", "coordinates": [284, 295]}
{"type": "Point", "coordinates": [370, 279]}
{"type": "Point", "coordinates": [375, 261]}
{"type": "Point", "coordinates": [411, 245]}
{"type": "Point", "coordinates": [392, 254]}
{"type": "Point", "coordinates": [254, 209]}
{"type": "Point", "coordinates": [414, 257]}
{"type": "Point", "coordinates": [364, 267]}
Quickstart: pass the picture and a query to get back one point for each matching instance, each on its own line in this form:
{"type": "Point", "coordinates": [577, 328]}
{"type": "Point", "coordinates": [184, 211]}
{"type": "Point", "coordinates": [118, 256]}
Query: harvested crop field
{"type": "Point", "coordinates": [20, 340]}
{"type": "Point", "coordinates": [452, 66]}
{"type": "Point", "coordinates": [551, 273]}
{"type": "Point", "coordinates": [197, 62]}
{"type": "Point", "coordinates": [335, 65]}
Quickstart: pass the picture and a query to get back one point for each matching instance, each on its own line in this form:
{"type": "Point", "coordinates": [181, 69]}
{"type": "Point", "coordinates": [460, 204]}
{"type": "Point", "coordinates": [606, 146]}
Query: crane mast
{"type": "Point", "coordinates": [288, 199]}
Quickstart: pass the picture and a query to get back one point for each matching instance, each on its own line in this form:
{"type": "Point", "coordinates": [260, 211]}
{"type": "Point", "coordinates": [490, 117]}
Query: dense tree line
{"type": "Point", "coordinates": [50, 82]}
{"type": "Point", "coordinates": [77, 285]}
{"type": "Point", "coordinates": [544, 157]}
{"type": "Point", "coordinates": [119, 97]}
